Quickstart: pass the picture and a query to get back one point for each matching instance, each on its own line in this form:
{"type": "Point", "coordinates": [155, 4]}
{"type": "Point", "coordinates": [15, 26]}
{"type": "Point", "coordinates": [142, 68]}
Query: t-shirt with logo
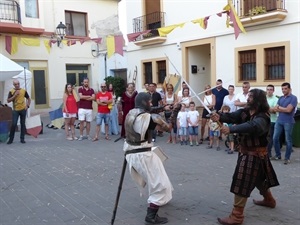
{"type": "Point", "coordinates": [103, 97]}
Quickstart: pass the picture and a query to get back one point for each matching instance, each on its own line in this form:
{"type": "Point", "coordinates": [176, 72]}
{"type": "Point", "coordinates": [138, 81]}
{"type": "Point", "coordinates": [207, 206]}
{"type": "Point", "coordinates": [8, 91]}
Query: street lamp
{"type": "Point", "coordinates": [60, 32]}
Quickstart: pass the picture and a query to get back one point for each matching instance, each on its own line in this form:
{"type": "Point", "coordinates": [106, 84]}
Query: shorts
{"type": "Point", "coordinates": [204, 114]}
{"type": "Point", "coordinates": [102, 116]}
{"type": "Point", "coordinates": [70, 115]}
{"type": "Point", "coordinates": [193, 130]}
{"type": "Point", "coordinates": [182, 131]}
{"type": "Point", "coordinates": [230, 137]}
{"type": "Point", "coordinates": [215, 133]}
{"type": "Point", "coordinates": [85, 115]}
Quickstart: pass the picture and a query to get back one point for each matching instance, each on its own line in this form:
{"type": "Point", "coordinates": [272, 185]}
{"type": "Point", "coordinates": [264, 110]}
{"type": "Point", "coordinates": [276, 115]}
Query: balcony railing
{"type": "Point", "coordinates": [151, 21]}
{"type": "Point", "coordinates": [10, 11]}
{"type": "Point", "coordinates": [246, 8]}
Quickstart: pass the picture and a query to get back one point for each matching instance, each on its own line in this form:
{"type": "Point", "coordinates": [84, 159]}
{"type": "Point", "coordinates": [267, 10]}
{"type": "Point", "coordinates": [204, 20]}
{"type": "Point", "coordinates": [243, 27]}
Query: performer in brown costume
{"type": "Point", "coordinates": [253, 168]}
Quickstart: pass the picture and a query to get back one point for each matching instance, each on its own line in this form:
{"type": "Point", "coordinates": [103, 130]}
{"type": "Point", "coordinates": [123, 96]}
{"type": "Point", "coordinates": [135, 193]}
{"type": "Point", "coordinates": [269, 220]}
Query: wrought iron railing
{"type": "Point", "coordinates": [247, 8]}
{"type": "Point", "coordinates": [151, 21]}
{"type": "Point", "coordinates": [10, 11]}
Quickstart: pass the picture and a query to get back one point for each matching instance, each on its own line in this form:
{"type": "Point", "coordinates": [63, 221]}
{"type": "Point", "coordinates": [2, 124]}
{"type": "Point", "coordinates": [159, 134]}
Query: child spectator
{"type": "Point", "coordinates": [182, 124]}
{"type": "Point", "coordinates": [230, 137]}
{"type": "Point", "coordinates": [193, 122]}
{"type": "Point", "coordinates": [214, 133]}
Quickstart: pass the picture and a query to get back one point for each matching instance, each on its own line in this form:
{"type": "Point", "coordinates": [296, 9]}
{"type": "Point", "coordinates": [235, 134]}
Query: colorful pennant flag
{"type": "Point", "coordinates": [114, 45]}
{"type": "Point", "coordinates": [202, 22]}
{"type": "Point", "coordinates": [163, 31]}
{"type": "Point", "coordinates": [30, 41]}
{"type": "Point", "coordinates": [11, 44]}
{"type": "Point", "coordinates": [131, 37]}
{"type": "Point", "coordinates": [47, 45]}
{"type": "Point", "coordinates": [71, 42]}
{"type": "Point", "coordinates": [232, 16]}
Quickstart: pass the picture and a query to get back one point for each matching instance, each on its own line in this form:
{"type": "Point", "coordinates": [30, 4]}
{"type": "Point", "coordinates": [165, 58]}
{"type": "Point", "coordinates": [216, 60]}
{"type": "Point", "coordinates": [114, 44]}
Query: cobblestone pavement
{"type": "Point", "coordinates": [53, 181]}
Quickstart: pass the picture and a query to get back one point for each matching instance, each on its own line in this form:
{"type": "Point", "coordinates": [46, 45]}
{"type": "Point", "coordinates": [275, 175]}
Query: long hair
{"type": "Point", "coordinates": [260, 103]}
{"type": "Point", "coordinates": [66, 88]}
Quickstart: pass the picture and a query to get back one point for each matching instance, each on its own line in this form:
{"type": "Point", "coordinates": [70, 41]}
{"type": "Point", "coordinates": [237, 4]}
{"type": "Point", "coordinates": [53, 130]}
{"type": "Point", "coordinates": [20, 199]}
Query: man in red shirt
{"type": "Point", "coordinates": [103, 98]}
{"type": "Point", "coordinates": [85, 108]}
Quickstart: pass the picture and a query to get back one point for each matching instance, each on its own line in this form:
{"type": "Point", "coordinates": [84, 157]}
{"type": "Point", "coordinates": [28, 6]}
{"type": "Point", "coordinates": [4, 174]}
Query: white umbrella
{"type": "Point", "coordinates": [8, 68]}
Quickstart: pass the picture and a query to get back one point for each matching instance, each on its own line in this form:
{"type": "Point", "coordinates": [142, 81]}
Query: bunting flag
{"type": "Point", "coordinates": [163, 31]}
{"type": "Point", "coordinates": [131, 37]}
{"type": "Point", "coordinates": [65, 42]}
{"type": "Point", "coordinates": [11, 44]}
{"type": "Point", "coordinates": [47, 45]}
{"type": "Point", "coordinates": [97, 40]}
{"type": "Point", "coordinates": [232, 16]}
{"type": "Point", "coordinates": [56, 117]}
{"type": "Point", "coordinates": [33, 125]}
{"type": "Point", "coordinates": [114, 45]}
{"type": "Point", "coordinates": [30, 41]}
{"type": "Point", "coordinates": [71, 42]}
{"type": "Point", "coordinates": [83, 40]}
{"type": "Point", "coordinates": [202, 22]}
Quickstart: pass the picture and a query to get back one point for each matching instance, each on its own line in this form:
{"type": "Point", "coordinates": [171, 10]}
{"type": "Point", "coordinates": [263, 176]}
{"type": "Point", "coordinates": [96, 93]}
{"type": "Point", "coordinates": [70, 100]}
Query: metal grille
{"type": "Point", "coordinates": [10, 11]}
{"type": "Point", "coordinates": [275, 63]}
{"type": "Point", "coordinates": [247, 65]}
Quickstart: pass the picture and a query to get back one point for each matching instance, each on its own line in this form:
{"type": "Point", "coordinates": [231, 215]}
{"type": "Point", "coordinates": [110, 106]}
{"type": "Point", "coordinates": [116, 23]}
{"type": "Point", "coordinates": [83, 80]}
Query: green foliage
{"type": "Point", "coordinates": [118, 85]}
{"type": "Point", "coordinates": [257, 10]}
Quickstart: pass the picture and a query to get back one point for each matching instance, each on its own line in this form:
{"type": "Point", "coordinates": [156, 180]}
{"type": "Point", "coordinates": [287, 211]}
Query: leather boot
{"type": "Point", "coordinates": [237, 215]}
{"type": "Point", "coordinates": [235, 218]}
{"type": "Point", "coordinates": [268, 200]}
{"type": "Point", "coordinates": [153, 218]}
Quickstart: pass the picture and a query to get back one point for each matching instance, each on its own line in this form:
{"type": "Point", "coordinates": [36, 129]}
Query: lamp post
{"type": "Point", "coordinates": [60, 32]}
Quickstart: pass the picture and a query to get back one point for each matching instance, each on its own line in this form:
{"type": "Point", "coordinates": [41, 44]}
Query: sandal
{"type": "Point", "coordinates": [107, 138]}
{"type": "Point", "coordinates": [95, 139]}
{"type": "Point", "coordinates": [201, 141]}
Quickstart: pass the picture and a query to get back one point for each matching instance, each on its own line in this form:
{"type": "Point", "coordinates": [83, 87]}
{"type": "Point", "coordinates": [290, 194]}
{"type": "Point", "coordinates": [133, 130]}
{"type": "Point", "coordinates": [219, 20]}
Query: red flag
{"type": "Point", "coordinates": [11, 44]}
{"type": "Point", "coordinates": [131, 37]}
{"type": "Point", "coordinates": [33, 125]}
{"type": "Point", "coordinates": [119, 43]}
{"type": "Point", "coordinates": [71, 42]}
{"type": "Point", "coordinates": [8, 41]}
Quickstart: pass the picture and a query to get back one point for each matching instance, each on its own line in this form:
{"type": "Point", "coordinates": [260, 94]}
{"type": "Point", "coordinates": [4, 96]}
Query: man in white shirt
{"type": "Point", "coordinates": [241, 98]}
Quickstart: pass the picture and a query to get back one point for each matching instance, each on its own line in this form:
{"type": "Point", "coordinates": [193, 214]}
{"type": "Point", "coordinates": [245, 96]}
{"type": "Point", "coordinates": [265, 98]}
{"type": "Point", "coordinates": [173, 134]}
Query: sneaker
{"type": "Point", "coordinates": [209, 147]}
{"type": "Point", "coordinates": [186, 143]}
{"type": "Point", "coordinates": [69, 138]}
{"type": "Point", "coordinates": [287, 161]}
{"type": "Point", "coordinates": [181, 142]}
{"type": "Point", "coordinates": [89, 138]}
{"type": "Point", "coordinates": [206, 139]}
{"type": "Point", "coordinates": [80, 138]}
{"type": "Point", "coordinates": [218, 148]}
{"type": "Point", "coordinates": [191, 143]}
{"type": "Point", "coordinates": [277, 158]}
{"type": "Point", "coordinates": [153, 140]}
{"type": "Point", "coordinates": [230, 152]}
{"type": "Point", "coordinates": [197, 144]}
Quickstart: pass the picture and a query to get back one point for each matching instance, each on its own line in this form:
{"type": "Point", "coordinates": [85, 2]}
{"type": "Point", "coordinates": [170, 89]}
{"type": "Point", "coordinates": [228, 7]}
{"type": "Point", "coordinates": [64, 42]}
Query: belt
{"type": "Point", "coordinates": [139, 150]}
{"type": "Point", "coordinates": [255, 151]}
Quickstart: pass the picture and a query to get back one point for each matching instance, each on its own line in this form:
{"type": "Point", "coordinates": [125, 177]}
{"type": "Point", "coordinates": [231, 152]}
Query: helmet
{"type": "Point", "coordinates": [142, 101]}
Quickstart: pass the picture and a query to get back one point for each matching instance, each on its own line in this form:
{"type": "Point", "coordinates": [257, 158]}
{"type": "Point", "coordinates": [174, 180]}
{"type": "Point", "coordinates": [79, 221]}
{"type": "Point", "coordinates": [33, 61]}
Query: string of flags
{"type": "Point", "coordinates": [229, 10]}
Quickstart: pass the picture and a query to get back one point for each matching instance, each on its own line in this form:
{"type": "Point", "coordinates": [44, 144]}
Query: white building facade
{"type": "Point", "coordinates": [81, 53]}
{"type": "Point", "coordinates": [268, 53]}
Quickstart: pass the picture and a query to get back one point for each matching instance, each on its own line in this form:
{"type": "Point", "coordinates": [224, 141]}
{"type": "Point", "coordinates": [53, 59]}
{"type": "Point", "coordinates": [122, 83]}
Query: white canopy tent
{"type": "Point", "coordinates": [8, 68]}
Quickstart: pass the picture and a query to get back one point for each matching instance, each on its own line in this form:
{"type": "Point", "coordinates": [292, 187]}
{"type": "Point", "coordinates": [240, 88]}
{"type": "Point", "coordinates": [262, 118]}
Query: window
{"type": "Point", "coordinates": [161, 71]}
{"type": "Point", "coordinates": [31, 8]}
{"type": "Point", "coordinates": [247, 65]}
{"type": "Point", "coordinates": [76, 24]}
{"type": "Point", "coordinates": [76, 74]}
{"type": "Point", "coordinates": [263, 64]}
{"type": "Point", "coordinates": [275, 63]}
{"type": "Point", "coordinates": [148, 72]}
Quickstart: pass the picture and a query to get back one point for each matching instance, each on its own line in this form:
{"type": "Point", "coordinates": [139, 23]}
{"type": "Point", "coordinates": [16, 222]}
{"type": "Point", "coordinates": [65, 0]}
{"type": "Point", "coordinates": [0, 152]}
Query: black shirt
{"type": "Point", "coordinates": [156, 98]}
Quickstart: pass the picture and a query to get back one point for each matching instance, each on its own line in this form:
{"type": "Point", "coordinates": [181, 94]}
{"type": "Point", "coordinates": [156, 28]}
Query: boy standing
{"type": "Point", "coordinates": [182, 124]}
{"type": "Point", "coordinates": [214, 133]}
{"type": "Point", "coordinates": [193, 122]}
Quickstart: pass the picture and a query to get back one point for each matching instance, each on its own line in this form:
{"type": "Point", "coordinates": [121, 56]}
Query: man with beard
{"type": "Point", "coordinates": [145, 166]}
{"type": "Point", "coordinates": [254, 168]}
{"type": "Point", "coordinates": [85, 108]}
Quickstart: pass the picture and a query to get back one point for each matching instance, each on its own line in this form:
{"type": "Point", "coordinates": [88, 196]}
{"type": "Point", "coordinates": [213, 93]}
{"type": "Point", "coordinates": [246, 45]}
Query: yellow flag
{"type": "Point", "coordinates": [163, 31]}
{"type": "Point", "coordinates": [110, 43]}
{"type": "Point", "coordinates": [30, 41]}
{"type": "Point", "coordinates": [46, 43]}
{"type": "Point", "coordinates": [14, 45]}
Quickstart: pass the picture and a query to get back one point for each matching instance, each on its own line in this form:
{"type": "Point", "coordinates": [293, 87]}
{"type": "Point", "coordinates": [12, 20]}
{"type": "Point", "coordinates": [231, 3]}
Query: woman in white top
{"type": "Point", "coordinates": [170, 99]}
{"type": "Point", "coordinates": [209, 99]}
{"type": "Point", "coordinates": [229, 99]}
{"type": "Point", "coordinates": [185, 98]}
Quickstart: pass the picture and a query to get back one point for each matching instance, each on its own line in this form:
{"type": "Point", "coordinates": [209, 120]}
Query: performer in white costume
{"type": "Point", "coordinates": [145, 167]}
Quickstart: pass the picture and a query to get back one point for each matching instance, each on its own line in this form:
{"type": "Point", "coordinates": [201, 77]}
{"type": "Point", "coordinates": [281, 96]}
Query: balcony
{"type": "Point", "coordinates": [10, 19]}
{"type": "Point", "coordinates": [151, 22]}
{"type": "Point", "coordinates": [258, 12]}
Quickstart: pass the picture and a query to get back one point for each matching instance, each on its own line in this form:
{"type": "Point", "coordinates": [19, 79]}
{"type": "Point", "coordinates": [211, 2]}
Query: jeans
{"type": "Point", "coordinates": [288, 129]}
{"type": "Point", "coordinates": [16, 115]}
